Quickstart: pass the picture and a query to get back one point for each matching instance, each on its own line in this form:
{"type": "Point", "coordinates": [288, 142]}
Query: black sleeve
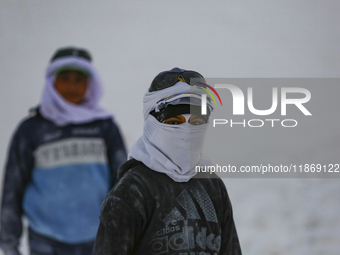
{"type": "Point", "coordinates": [17, 174]}
{"type": "Point", "coordinates": [123, 219]}
{"type": "Point", "coordinates": [116, 151]}
{"type": "Point", "coordinates": [230, 244]}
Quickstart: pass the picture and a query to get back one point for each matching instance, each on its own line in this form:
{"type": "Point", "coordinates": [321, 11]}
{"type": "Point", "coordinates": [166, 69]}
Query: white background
{"type": "Point", "coordinates": [132, 41]}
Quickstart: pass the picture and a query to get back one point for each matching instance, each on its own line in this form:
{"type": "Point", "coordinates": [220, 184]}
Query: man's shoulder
{"type": "Point", "coordinates": [134, 183]}
{"type": "Point", "coordinates": [209, 177]}
{"type": "Point", "coordinates": [30, 122]}
{"type": "Point", "coordinates": [134, 171]}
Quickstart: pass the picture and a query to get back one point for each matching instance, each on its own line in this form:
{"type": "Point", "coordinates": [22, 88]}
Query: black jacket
{"type": "Point", "coordinates": [149, 213]}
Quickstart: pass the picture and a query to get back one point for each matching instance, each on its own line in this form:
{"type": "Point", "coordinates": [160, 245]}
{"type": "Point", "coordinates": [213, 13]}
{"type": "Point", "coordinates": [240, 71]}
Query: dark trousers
{"type": "Point", "coordinates": [41, 245]}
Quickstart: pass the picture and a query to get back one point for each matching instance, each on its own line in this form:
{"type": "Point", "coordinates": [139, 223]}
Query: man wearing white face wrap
{"type": "Point", "coordinates": [157, 207]}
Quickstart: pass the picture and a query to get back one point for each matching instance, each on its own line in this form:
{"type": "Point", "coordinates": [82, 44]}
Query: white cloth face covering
{"type": "Point", "coordinates": [171, 149]}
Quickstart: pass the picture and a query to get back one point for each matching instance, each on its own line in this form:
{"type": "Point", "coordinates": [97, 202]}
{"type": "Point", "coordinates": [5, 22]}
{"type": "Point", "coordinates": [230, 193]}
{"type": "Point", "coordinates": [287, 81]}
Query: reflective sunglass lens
{"type": "Point", "coordinates": [168, 79]}
{"type": "Point", "coordinates": [193, 78]}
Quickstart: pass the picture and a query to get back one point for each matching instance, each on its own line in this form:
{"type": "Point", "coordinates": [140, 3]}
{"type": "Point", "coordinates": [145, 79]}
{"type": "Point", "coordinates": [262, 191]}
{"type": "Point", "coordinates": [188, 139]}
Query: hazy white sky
{"type": "Point", "coordinates": [131, 41]}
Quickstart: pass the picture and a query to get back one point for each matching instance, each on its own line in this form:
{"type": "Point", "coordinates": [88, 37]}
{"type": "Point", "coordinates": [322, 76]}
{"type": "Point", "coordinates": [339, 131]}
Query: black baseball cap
{"type": "Point", "coordinates": [71, 51]}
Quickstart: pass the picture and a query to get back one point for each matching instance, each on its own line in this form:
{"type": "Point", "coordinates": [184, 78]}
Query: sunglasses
{"type": "Point", "coordinates": [167, 79]}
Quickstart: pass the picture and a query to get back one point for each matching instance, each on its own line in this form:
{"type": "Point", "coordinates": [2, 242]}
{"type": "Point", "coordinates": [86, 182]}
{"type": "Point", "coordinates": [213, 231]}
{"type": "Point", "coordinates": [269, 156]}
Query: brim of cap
{"type": "Point", "coordinates": [72, 68]}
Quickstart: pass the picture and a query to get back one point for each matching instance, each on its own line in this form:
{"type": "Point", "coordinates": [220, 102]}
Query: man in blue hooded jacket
{"type": "Point", "coordinates": [62, 162]}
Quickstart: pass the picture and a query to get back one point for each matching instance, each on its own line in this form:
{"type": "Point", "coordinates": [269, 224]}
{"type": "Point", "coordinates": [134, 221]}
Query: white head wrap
{"type": "Point", "coordinates": [55, 108]}
{"type": "Point", "coordinates": [171, 149]}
